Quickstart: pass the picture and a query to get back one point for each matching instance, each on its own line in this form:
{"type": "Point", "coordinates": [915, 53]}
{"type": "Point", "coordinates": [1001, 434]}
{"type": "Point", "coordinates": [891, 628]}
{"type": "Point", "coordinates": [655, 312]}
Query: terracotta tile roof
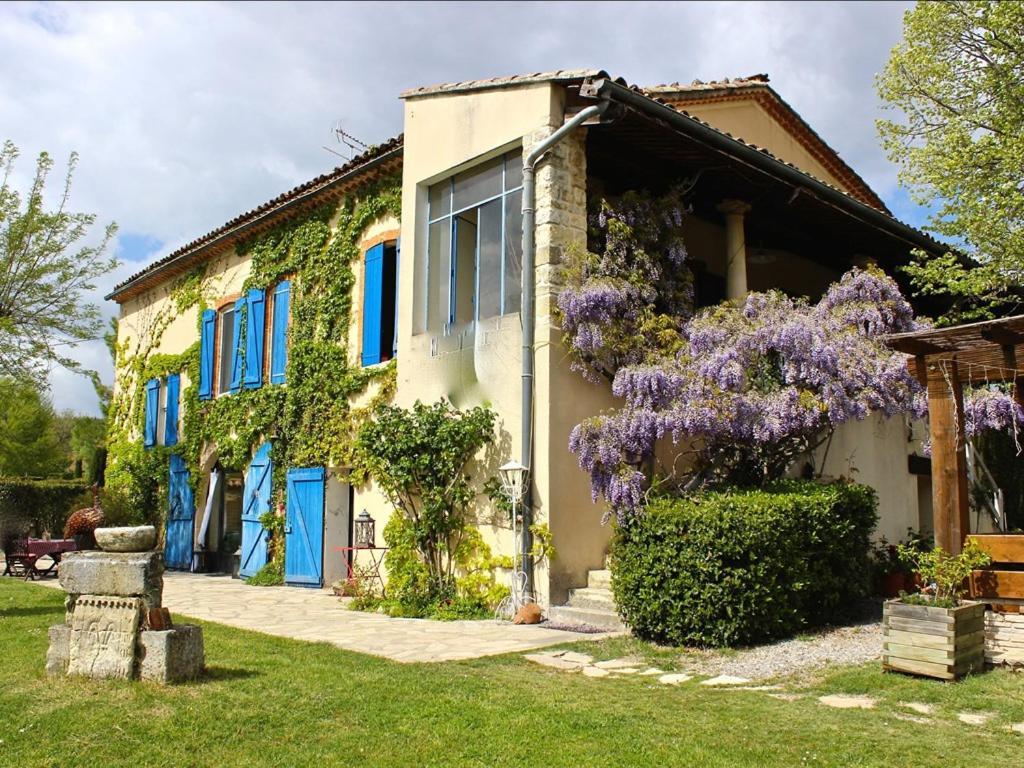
{"type": "Point", "coordinates": [384, 158]}
{"type": "Point", "coordinates": [556, 76]}
{"type": "Point", "coordinates": [757, 88]}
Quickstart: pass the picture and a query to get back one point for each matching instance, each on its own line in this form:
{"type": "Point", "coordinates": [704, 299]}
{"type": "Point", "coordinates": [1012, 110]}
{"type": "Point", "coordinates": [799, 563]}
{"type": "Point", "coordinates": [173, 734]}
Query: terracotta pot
{"type": "Point", "coordinates": [891, 583]}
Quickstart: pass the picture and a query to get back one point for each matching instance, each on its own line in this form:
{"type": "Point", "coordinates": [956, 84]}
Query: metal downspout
{"type": "Point", "coordinates": [528, 314]}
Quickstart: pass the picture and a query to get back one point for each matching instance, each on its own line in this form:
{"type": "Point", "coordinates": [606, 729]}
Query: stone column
{"type": "Point", "coordinates": [735, 248]}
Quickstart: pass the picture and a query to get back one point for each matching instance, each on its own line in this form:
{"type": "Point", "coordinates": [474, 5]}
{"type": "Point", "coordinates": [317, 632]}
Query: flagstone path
{"type": "Point", "coordinates": [317, 615]}
{"type": "Point", "coordinates": [571, 661]}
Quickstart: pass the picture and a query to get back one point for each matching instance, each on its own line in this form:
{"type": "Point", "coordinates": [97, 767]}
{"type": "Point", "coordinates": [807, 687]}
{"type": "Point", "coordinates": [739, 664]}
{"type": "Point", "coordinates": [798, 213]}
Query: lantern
{"type": "Point", "coordinates": [513, 480]}
{"type": "Point", "coordinates": [365, 536]}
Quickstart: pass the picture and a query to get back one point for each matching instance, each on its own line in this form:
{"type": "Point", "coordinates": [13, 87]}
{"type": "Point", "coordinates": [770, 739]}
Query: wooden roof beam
{"type": "Point", "coordinates": [916, 347]}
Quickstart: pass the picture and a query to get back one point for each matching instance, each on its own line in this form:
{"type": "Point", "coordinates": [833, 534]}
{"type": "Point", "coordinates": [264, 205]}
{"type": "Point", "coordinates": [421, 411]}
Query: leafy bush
{"type": "Point", "coordinates": [735, 567]}
{"type": "Point", "coordinates": [943, 574]}
{"type": "Point", "coordinates": [36, 506]}
{"type": "Point", "coordinates": [270, 575]}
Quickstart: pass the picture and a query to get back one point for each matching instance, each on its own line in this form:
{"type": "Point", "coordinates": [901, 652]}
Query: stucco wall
{"type": "Point", "coordinates": [749, 121]}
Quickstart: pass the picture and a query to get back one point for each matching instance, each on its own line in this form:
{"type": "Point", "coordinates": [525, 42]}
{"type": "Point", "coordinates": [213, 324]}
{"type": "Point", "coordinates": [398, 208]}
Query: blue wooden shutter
{"type": "Point", "coordinates": [236, 347]}
{"type": "Point", "coordinates": [372, 287]}
{"type": "Point", "coordinates": [398, 273]}
{"type": "Point", "coordinates": [171, 410]}
{"type": "Point", "coordinates": [279, 333]}
{"type": "Point", "coordinates": [255, 309]}
{"type": "Point", "coordinates": [206, 349]}
{"type": "Point", "coordinates": [152, 411]}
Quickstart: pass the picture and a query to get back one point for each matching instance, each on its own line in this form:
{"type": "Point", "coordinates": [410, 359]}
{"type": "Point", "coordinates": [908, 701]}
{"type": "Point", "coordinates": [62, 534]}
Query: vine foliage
{"type": "Point", "coordinates": [310, 420]}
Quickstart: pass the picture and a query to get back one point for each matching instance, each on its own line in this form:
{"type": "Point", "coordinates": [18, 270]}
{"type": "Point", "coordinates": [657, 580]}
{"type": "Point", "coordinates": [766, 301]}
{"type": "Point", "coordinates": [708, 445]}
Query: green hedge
{"type": "Point", "coordinates": [36, 506]}
{"type": "Point", "coordinates": [736, 567]}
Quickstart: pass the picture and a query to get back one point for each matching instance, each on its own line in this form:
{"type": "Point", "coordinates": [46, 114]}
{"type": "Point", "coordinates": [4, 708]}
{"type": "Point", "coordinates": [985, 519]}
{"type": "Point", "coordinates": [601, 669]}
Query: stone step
{"type": "Point", "coordinates": [566, 614]}
{"type": "Point", "coordinates": [599, 579]}
{"type": "Point", "coordinates": [597, 599]}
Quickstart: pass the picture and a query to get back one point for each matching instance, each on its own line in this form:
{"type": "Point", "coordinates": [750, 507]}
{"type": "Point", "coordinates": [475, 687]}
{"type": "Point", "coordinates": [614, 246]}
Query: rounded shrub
{"type": "Point", "coordinates": [737, 566]}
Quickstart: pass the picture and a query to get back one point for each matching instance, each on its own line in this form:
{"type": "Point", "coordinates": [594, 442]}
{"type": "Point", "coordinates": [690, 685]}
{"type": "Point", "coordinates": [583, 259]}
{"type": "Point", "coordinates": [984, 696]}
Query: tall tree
{"type": "Point", "coordinates": [957, 78]}
{"type": "Point", "coordinates": [45, 271]}
{"type": "Point", "coordinates": [29, 440]}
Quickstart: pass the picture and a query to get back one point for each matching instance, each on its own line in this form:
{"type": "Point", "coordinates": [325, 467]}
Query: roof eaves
{"type": "Point", "coordinates": [368, 160]}
{"type": "Point", "coordinates": [737, 88]}
{"type": "Point", "coordinates": [511, 81]}
{"type": "Point", "coordinates": [636, 97]}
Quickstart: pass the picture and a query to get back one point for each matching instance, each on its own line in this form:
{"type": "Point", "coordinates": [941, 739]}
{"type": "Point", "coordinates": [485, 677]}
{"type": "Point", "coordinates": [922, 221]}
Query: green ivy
{"type": "Point", "coordinates": [310, 418]}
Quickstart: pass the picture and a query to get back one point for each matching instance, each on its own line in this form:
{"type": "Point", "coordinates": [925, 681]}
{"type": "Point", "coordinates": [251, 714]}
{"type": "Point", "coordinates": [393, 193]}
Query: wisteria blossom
{"type": "Point", "coordinates": [749, 388]}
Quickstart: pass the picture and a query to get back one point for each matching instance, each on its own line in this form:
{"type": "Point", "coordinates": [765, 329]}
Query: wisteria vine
{"type": "Point", "coordinates": [748, 388]}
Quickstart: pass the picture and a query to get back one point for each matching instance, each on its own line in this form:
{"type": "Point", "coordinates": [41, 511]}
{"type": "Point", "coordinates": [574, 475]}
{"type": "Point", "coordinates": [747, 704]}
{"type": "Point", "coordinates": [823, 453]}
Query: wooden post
{"type": "Point", "coordinates": [949, 459]}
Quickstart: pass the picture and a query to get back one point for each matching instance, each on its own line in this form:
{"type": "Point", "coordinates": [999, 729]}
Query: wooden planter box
{"type": "Point", "coordinates": [946, 643]}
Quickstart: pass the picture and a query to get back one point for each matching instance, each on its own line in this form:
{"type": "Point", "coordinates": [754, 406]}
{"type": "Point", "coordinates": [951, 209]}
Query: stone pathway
{"type": "Point", "coordinates": [570, 661]}
{"type": "Point", "coordinates": [317, 615]}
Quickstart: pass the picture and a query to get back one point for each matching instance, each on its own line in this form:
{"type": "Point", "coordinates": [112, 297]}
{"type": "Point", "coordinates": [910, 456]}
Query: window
{"type": "Point", "coordinates": [162, 409]}
{"type": "Point", "coordinates": [380, 303]}
{"type": "Point", "coordinates": [226, 347]}
{"type": "Point", "coordinates": [474, 244]}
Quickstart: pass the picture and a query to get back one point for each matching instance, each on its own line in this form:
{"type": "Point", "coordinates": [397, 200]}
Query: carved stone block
{"type": "Point", "coordinates": [57, 653]}
{"type": "Point", "coordinates": [104, 632]}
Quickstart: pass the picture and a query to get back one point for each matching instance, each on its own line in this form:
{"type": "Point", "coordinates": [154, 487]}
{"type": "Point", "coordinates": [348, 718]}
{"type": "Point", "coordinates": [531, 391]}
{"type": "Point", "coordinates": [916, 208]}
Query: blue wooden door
{"type": "Point", "coordinates": [181, 510]}
{"type": "Point", "coordinates": [255, 502]}
{"type": "Point", "coordinates": [304, 527]}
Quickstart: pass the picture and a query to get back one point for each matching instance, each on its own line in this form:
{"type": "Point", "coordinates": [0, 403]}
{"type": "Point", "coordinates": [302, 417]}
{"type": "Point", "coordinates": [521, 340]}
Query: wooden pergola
{"type": "Point", "coordinates": [944, 360]}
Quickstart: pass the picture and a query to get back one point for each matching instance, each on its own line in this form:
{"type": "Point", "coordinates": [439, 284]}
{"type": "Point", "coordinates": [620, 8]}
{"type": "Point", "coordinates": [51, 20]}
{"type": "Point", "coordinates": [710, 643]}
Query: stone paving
{"type": "Point", "coordinates": [568, 661]}
{"type": "Point", "coordinates": [317, 615]}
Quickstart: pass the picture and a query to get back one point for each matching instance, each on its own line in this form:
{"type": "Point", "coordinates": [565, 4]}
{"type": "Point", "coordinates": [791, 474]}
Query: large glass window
{"type": "Point", "coordinates": [474, 244]}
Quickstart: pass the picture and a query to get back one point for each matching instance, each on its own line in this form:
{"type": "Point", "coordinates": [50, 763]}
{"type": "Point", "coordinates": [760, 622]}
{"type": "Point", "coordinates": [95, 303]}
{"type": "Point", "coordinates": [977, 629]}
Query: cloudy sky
{"type": "Point", "coordinates": [187, 114]}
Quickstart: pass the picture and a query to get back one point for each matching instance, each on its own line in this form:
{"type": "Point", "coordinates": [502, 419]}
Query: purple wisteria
{"type": "Point", "coordinates": [627, 295]}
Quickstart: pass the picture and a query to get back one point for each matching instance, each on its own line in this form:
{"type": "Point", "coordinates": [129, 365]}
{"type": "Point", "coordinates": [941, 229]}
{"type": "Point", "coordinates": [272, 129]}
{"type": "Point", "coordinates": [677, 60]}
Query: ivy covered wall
{"type": "Point", "coordinates": [312, 418]}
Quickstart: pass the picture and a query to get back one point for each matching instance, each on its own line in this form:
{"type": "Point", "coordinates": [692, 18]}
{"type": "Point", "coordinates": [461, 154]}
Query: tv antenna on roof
{"type": "Point", "coordinates": [355, 146]}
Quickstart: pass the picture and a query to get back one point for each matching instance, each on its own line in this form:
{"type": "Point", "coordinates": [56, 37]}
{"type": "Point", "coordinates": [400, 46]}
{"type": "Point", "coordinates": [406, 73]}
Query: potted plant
{"type": "Point", "coordinates": [892, 572]}
{"type": "Point", "coordinates": [935, 633]}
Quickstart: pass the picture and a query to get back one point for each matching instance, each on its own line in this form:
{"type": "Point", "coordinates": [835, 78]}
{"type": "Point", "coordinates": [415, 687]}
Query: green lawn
{"type": "Point", "coordinates": [270, 702]}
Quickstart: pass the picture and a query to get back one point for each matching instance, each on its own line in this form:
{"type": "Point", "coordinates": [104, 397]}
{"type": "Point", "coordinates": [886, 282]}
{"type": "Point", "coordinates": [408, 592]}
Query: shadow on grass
{"type": "Point", "coordinates": [215, 674]}
{"type": "Point", "coordinates": [35, 610]}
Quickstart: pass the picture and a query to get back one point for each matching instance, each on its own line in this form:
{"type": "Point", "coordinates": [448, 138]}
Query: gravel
{"type": "Point", "coordinates": [838, 645]}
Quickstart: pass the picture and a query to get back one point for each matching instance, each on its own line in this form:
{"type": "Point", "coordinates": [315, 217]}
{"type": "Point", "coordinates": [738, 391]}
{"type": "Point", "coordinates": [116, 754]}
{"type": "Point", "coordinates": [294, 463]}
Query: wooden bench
{"type": "Point", "coordinates": [21, 560]}
{"type": "Point", "coordinates": [1000, 584]}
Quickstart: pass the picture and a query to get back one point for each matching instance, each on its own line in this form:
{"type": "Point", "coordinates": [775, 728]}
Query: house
{"type": "Point", "coordinates": [397, 277]}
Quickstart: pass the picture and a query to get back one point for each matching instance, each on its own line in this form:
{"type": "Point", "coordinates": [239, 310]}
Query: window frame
{"type": "Point", "coordinates": [225, 305]}
{"type": "Point", "coordinates": [452, 215]}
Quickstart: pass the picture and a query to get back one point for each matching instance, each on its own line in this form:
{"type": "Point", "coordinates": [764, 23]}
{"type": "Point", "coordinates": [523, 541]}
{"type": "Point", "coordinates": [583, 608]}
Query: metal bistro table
{"type": "Point", "coordinates": [348, 556]}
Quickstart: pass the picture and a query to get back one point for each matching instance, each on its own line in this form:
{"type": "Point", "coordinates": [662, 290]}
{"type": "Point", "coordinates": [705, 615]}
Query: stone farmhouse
{"type": "Point", "coordinates": [236, 383]}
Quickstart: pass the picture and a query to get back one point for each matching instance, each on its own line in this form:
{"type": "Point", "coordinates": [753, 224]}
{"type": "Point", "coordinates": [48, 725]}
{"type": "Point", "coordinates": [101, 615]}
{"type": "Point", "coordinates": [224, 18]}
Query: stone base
{"type": "Point", "coordinates": [1004, 638]}
{"type": "Point", "coordinates": [119, 574]}
{"type": "Point", "coordinates": [59, 651]}
{"type": "Point", "coordinates": [172, 655]}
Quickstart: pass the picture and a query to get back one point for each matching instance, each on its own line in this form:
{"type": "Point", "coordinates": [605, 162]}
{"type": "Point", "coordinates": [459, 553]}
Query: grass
{"type": "Point", "coordinates": [274, 702]}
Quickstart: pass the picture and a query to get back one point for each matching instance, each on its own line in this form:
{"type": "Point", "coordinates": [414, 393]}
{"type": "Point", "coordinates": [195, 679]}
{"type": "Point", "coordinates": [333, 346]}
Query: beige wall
{"type": "Point", "coordinates": [749, 121]}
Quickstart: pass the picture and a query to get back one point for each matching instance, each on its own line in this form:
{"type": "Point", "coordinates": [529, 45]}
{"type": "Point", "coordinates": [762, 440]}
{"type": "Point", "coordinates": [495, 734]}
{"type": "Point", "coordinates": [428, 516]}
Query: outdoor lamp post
{"type": "Point", "coordinates": [513, 481]}
{"type": "Point", "coordinates": [365, 536]}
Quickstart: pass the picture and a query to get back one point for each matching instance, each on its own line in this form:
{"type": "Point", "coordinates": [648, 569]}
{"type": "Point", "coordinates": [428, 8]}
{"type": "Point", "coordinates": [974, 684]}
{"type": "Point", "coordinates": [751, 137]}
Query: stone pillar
{"type": "Point", "coordinates": [735, 248]}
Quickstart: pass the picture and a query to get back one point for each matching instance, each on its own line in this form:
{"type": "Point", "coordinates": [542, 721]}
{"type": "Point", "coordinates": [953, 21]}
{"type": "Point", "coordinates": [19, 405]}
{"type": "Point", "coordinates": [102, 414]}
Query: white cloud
{"type": "Point", "coordinates": [187, 114]}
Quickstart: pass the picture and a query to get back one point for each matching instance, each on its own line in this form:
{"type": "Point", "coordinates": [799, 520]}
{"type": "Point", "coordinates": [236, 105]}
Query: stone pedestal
{"type": "Point", "coordinates": [173, 655]}
{"type": "Point", "coordinates": [110, 599]}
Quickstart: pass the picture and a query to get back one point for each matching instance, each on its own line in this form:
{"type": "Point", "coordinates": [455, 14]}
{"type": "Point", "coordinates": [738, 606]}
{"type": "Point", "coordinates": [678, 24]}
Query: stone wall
{"type": "Point", "coordinates": [1004, 638]}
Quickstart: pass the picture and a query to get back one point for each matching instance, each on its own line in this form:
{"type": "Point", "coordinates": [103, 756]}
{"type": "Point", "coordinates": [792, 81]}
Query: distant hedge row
{"type": "Point", "coordinates": [737, 567]}
{"type": "Point", "coordinates": [36, 506]}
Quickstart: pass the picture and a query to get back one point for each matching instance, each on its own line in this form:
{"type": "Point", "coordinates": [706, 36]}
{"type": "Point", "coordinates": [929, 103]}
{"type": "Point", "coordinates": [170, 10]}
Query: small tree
{"type": "Point", "coordinates": [42, 280]}
{"type": "Point", "coordinates": [956, 81]}
{"type": "Point", "coordinates": [419, 458]}
{"type": "Point", "coordinates": [29, 443]}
